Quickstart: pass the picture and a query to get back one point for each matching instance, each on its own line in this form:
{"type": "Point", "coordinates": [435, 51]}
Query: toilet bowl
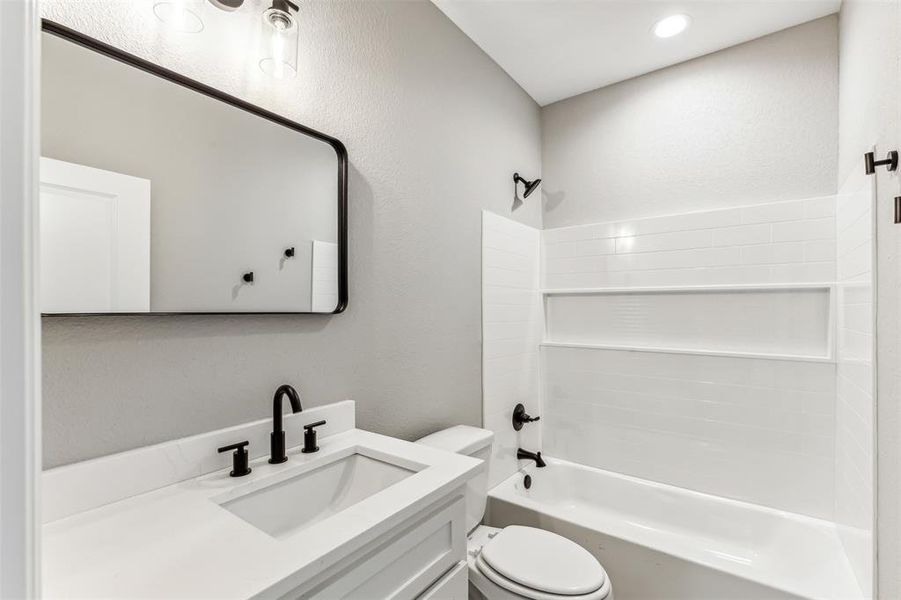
{"type": "Point", "coordinates": [516, 562]}
{"type": "Point", "coordinates": [524, 562]}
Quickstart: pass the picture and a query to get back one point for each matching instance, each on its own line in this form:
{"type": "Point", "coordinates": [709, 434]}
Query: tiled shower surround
{"type": "Point", "coordinates": [784, 242]}
{"type": "Point", "coordinates": [697, 349]}
{"type": "Point", "coordinates": [854, 407]}
{"type": "Point", "coordinates": [715, 388]}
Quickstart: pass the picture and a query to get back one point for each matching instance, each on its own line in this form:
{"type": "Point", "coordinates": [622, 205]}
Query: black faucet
{"type": "Point", "coordinates": [536, 456]}
{"type": "Point", "coordinates": [277, 438]}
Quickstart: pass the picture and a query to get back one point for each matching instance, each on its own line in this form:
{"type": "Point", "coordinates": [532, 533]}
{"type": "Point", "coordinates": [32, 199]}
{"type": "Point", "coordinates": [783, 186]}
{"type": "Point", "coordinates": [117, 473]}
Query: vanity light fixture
{"type": "Point", "coordinates": [180, 15]}
{"type": "Point", "coordinates": [278, 41]}
{"type": "Point", "coordinates": [185, 15]}
{"type": "Point", "coordinates": [227, 5]}
{"type": "Point", "coordinates": [671, 25]}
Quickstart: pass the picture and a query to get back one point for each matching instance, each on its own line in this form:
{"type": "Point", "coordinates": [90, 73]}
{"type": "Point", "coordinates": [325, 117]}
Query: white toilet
{"type": "Point", "coordinates": [517, 562]}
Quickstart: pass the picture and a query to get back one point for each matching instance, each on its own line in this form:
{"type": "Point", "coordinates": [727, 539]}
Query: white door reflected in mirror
{"type": "Point", "coordinates": [95, 240]}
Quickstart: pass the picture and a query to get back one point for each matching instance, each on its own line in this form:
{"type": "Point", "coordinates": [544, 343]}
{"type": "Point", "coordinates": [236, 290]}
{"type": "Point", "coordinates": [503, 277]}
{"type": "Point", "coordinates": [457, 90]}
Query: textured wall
{"type": "Point", "coordinates": [868, 116]}
{"type": "Point", "coordinates": [434, 130]}
{"type": "Point", "coordinates": [753, 123]}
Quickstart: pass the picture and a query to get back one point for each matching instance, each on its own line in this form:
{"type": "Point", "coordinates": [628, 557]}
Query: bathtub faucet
{"type": "Point", "coordinates": [536, 456]}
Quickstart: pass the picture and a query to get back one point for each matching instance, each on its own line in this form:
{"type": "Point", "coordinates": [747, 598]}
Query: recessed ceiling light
{"type": "Point", "coordinates": [672, 25]}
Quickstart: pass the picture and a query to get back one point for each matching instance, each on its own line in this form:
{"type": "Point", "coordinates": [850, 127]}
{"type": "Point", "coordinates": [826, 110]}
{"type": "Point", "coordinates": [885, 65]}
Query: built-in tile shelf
{"type": "Point", "coordinates": [686, 288]}
{"type": "Point", "coordinates": [781, 321]}
{"type": "Point", "coordinates": [693, 352]}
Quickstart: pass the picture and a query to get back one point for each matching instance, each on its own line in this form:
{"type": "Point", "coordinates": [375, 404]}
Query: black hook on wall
{"type": "Point", "coordinates": [248, 277]}
{"type": "Point", "coordinates": [289, 252]}
{"type": "Point", "coordinates": [870, 162]}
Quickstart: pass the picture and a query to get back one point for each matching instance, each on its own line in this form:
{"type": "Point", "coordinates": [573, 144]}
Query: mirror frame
{"type": "Point", "coordinates": [90, 43]}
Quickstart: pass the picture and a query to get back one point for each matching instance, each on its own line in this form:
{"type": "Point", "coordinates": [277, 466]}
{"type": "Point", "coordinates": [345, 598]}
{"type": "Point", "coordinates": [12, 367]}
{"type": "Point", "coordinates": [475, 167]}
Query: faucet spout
{"type": "Point", "coordinates": [277, 438]}
{"type": "Point", "coordinates": [536, 456]}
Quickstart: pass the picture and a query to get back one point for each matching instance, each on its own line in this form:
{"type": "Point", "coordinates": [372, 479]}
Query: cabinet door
{"type": "Point", "coordinates": [453, 586]}
{"type": "Point", "coordinates": [400, 565]}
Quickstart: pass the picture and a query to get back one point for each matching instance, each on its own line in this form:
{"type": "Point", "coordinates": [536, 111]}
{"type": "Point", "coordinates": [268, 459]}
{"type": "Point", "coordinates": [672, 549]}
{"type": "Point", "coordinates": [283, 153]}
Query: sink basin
{"type": "Point", "coordinates": [292, 504]}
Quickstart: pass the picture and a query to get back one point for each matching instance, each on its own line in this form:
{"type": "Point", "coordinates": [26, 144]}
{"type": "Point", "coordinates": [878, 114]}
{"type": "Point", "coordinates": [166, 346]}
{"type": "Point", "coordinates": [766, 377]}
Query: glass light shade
{"type": "Point", "coordinates": [180, 15]}
{"type": "Point", "coordinates": [278, 44]}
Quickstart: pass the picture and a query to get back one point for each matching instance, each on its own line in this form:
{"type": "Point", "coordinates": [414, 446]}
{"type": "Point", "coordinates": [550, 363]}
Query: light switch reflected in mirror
{"type": "Point", "coordinates": [158, 199]}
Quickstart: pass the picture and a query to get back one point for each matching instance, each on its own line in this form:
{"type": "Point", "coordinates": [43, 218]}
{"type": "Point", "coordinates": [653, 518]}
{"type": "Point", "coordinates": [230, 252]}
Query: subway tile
{"type": "Point", "coordinates": [596, 247]}
{"type": "Point", "coordinates": [568, 234]}
{"type": "Point", "coordinates": [856, 317]}
{"type": "Point", "coordinates": [856, 233]}
{"type": "Point", "coordinates": [679, 240]}
{"type": "Point", "coordinates": [772, 254]}
{"type": "Point", "coordinates": [817, 272]}
{"type": "Point", "coordinates": [851, 207]}
{"type": "Point", "coordinates": [561, 250]}
{"type": "Point", "coordinates": [772, 213]}
{"type": "Point", "coordinates": [742, 235]}
{"type": "Point", "coordinates": [682, 222]}
{"type": "Point", "coordinates": [815, 208]}
{"type": "Point", "coordinates": [813, 229]}
{"type": "Point", "coordinates": [819, 251]}
{"type": "Point", "coordinates": [856, 263]}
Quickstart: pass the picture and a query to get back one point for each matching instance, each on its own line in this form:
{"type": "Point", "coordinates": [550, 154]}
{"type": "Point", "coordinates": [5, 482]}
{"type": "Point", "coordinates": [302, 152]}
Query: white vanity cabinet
{"type": "Point", "coordinates": [421, 558]}
{"type": "Point", "coordinates": [366, 517]}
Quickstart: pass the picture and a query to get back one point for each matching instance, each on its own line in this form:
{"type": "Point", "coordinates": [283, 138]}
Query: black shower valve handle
{"type": "Point", "coordinates": [520, 417]}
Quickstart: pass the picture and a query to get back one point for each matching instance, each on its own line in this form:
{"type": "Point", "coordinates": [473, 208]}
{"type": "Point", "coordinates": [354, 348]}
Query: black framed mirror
{"type": "Point", "coordinates": [162, 195]}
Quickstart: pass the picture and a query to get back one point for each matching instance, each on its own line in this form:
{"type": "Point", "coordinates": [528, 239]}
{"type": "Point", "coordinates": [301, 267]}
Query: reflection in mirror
{"type": "Point", "coordinates": [157, 198]}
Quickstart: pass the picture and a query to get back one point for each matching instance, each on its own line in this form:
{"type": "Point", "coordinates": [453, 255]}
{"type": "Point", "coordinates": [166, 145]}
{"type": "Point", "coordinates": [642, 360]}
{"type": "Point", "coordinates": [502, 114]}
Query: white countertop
{"type": "Point", "coordinates": [178, 542]}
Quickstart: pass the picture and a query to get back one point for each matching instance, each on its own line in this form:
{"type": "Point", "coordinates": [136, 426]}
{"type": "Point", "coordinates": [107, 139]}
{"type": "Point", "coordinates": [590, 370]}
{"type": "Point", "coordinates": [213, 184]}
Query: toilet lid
{"type": "Point", "coordinates": [543, 561]}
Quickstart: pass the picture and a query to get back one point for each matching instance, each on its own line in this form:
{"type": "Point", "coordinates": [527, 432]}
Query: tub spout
{"type": "Point", "coordinates": [536, 456]}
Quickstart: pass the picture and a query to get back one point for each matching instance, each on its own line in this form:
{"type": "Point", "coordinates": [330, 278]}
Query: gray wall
{"type": "Point", "coordinates": [434, 130]}
{"type": "Point", "coordinates": [869, 115]}
{"type": "Point", "coordinates": [750, 124]}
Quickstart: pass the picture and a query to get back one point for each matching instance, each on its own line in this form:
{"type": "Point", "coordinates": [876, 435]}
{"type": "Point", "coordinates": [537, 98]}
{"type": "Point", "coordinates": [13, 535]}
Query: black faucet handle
{"type": "Point", "coordinates": [520, 417]}
{"type": "Point", "coordinates": [237, 446]}
{"type": "Point", "coordinates": [240, 458]}
{"type": "Point", "coordinates": [309, 437]}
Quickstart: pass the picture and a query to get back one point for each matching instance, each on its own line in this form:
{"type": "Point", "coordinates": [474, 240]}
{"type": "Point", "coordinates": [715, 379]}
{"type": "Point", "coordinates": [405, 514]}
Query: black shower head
{"type": "Point", "coordinates": [530, 185]}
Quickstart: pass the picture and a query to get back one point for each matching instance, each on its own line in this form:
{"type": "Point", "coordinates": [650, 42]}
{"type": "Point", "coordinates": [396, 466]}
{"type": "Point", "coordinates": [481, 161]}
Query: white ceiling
{"type": "Point", "coordinates": [559, 48]}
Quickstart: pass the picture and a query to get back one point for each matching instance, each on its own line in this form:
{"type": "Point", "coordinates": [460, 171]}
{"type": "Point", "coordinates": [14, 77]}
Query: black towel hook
{"type": "Point", "coordinates": [870, 162]}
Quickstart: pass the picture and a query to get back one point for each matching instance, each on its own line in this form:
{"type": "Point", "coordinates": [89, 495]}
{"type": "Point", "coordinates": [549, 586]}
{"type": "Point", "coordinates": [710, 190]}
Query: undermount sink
{"type": "Point", "coordinates": [283, 508]}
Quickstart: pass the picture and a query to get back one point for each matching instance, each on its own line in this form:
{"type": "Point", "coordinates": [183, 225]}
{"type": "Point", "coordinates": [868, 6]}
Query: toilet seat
{"type": "Point", "coordinates": [533, 594]}
{"type": "Point", "coordinates": [540, 565]}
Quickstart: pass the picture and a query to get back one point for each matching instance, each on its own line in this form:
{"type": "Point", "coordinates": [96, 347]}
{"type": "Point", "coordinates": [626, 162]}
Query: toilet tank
{"type": "Point", "coordinates": [471, 441]}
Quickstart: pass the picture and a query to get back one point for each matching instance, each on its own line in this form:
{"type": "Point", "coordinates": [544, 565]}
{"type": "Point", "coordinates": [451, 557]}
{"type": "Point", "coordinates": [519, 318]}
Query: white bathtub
{"type": "Point", "coordinates": [662, 542]}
